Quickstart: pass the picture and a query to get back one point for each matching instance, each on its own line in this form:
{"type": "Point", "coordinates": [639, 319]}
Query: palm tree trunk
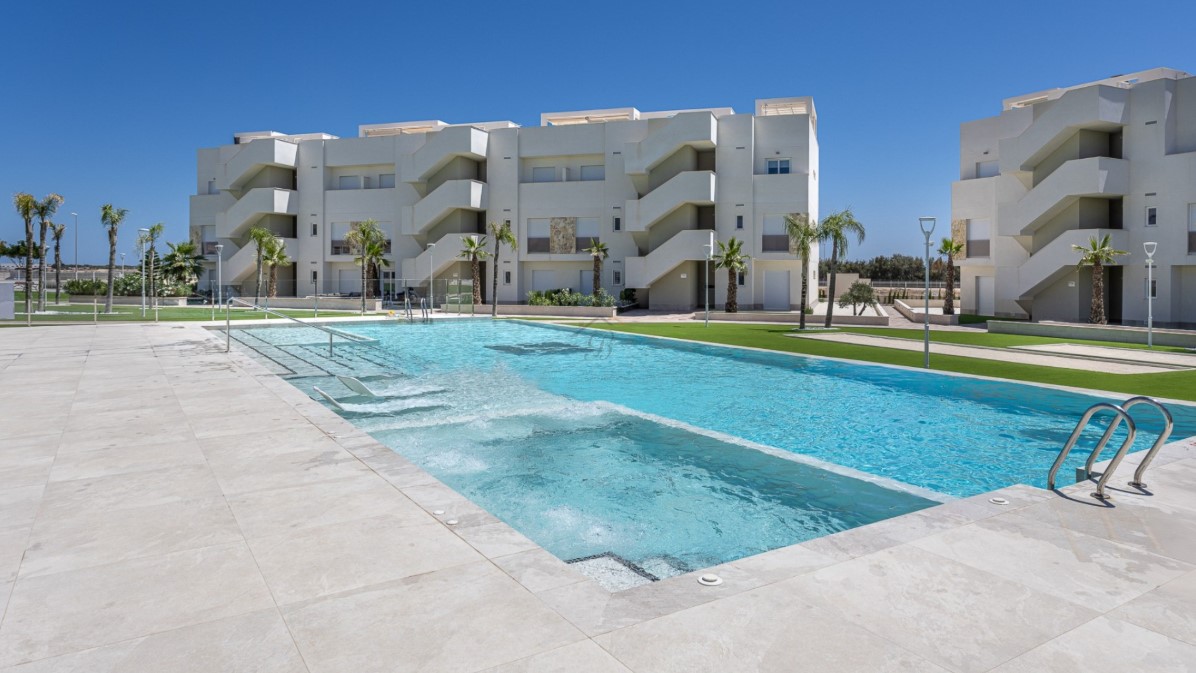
{"type": "Point", "coordinates": [597, 276]}
{"type": "Point", "coordinates": [804, 275]}
{"type": "Point", "coordinates": [111, 269]}
{"type": "Point", "coordinates": [949, 300]}
{"type": "Point", "coordinates": [732, 292]}
{"type": "Point", "coordinates": [41, 269]}
{"type": "Point", "coordinates": [830, 283]}
{"type": "Point", "coordinates": [57, 270]}
{"type": "Point", "coordinates": [257, 291]}
{"type": "Point", "coordinates": [363, 281]}
{"type": "Point", "coordinates": [153, 285]}
{"type": "Point", "coordinates": [494, 285]}
{"type": "Point", "coordinates": [476, 267]}
{"type": "Point", "coordinates": [1098, 295]}
{"type": "Point", "coordinates": [28, 266]}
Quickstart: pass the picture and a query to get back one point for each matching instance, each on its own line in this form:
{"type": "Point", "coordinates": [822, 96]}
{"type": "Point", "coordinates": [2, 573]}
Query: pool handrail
{"type": "Point", "coordinates": [1121, 414]}
{"type": "Point", "coordinates": [348, 336]}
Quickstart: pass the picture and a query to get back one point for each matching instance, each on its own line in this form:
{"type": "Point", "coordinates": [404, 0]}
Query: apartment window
{"type": "Point", "coordinates": [349, 182]}
{"type": "Point", "coordinates": [979, 237]}
{"type": "Point", "coordinates": [593, 172]}
{"type": "Point", "coordinates": [618, 224]}
{"type": "Point", "coordinates": [212, 187]}
{"type": "Point", "coordinates": [544, 174]}
{"type": "Point", "coordinates": [315, 229]}
{"type": "Point", "coordinates": [587, 230]}
{"type": "Point", "coordinates": [367, 182]}
{"type": "Point", "coordinates": [386, 181]}
{"type": "Point", "coordinates": [1152, 216]}
{"type": "Point", "coordinates": [315, 277]}
{"type": "Point", "coordinates": [740, 278]}
{"type": "Point", "coordinates": [775, 237]}
{"type": "Point", "coordinates": [739, 221]}
{"type": "Point", "coordinates": [506, 277]}
{"type": "Point", "coordinates": [778, 166]}
{"type": "Point", "coordinates": [1154, 287]}
{"type": "Point", "coordinates": [1192, 228]}
{"type": "Point", "coordinates": [987, 169]}
{"type": "Point", "coordinates": [537, 235]}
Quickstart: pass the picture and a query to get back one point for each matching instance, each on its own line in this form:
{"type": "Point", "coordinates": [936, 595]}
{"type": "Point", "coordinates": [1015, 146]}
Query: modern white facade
{"type": "Point", "coordinates": [1057, 167]}
{"type": "Point", "coordinates": [650, 185]}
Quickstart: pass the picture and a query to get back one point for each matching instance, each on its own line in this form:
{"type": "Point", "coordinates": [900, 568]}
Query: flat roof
{"type": "Point", "coordinates": [1126, 81]}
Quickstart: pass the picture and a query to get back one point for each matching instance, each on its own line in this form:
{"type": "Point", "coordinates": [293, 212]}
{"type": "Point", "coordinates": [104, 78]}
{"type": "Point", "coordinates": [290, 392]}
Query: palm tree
{"type": "Point", "coordinates": [26, 207]}
{"type": "Point", "coordinates": [274, 256]}
{"type": "Point", "coordinates": [262, 238]}
{"type": "Point", "coordinates": [111, 218]}
{"type": "Point", "coordinates": [502, 235]}
{"type": "Point", "coordinates": [57, 230]}
{"type": "Point", "coordinates": [1096, 255]}
{"type": "Point", "coordinates": [836, 228]}
{"type": "Point", "coordinates": [598, 251]}
{"type": "Point", "coordinates": [183, 264]}
{"type": "Point", "coordinates": [951, 249]}
{"type": "Point", "coordinates": [803, 235]}
{"type": "Point", "coordinates": [730, 257]}
{"type": "Point", "coordinates": [473, 248]}
{"type": "Point", "coordinates": [45, 210]}
{"type": "Point", "coordinates": [150, 238]}
{"type": "Point", "coordinates": [370, 243]}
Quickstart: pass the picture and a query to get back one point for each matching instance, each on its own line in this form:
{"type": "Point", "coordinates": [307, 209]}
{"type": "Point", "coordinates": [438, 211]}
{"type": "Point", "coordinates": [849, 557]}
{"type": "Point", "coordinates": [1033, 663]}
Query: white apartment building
{"type": "Point", "coordinates": [1057, 167]}
{"type": "Point", "coordinates": [652, 186]}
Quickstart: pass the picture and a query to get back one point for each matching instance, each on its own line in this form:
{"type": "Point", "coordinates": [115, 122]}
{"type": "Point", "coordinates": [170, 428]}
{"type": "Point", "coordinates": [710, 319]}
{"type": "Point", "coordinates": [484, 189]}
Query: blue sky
{"type": "Point", "coordinates": [107, 102]}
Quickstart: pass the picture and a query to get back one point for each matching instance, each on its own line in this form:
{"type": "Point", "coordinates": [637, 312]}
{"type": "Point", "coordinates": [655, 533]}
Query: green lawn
{"type": "Point", "coordinates": [980, 338]}
{"type": "Point", "coordinates": [1177, 385]}
{"type": "Point", "coordinates": [84, 313]}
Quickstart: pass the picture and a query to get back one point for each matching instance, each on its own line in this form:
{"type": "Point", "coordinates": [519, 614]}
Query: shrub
{"type": "Point", "coordinates": [85, 286]}
{"type": "Point", "coordinates": [858, 295]}
{"type": "Point", "coordinates": [567, 297]}
{"type": "Point", "coordinates": [627, 296]}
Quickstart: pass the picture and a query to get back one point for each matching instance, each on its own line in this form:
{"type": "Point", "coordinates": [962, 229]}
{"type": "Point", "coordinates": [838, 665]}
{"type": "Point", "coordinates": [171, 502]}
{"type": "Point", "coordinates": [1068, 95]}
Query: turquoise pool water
{"type": "Point", "coordinates": [679, 456]}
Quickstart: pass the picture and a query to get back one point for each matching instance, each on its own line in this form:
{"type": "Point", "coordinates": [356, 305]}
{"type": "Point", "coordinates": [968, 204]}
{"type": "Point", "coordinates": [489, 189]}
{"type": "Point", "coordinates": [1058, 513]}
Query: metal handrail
{"type": "Point", "coordinates": [1122, 414]}
{"type": "Point", "coordinates": [349, 336]}
{"type": "Point", "coordinates": [1168, 426]}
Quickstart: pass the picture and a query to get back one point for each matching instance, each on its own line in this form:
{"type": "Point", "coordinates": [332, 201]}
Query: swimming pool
{"type": "Point", "coordinates": [676, 456]}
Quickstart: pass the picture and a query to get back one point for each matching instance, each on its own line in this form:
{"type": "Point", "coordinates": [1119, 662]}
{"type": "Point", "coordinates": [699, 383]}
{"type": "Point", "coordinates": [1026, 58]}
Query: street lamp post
{"type": "Point", "coordinates": [431, 271]}
{"type": "Point", "coordinates": [122, 264]}
{"type": "Point", "coordinates": [706, 276]}
{"type": "Point", "coordinates": [141, 240]}
{"type": "Point", "coordinates": [219, 274]}
{"type": "Point", "coordinates": [76, 244]}
{"type": "Point", "coordinates": [927, 226]}
{"type": "Point", "coordinates": [1149, 247]}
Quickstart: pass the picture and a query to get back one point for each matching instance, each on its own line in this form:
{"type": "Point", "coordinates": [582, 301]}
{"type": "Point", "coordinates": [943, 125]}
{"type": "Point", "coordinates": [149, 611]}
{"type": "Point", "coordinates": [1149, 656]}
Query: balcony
{"type": "Point", "coordinates": [254, 156]}
{"type": "Point", "coordinates": [445, 254]}
{"type": "Point", "coordinates": [684, 246]}
{"type": "Point", "coordinates": [343, 247]}
{"type": "Point", "coordinates": [697, 129]}
{"type": "Point", "coordinates": [1057, 258]}
{"type": "Point", "coordinates": [450, 196]}
{"type": "Point", "coordinates": [442, 147]}
{"type": "Point", "coordinates": [690, 187]}
{"type": "Point", "coordinates": [1099, 177]}
{"type": "Point", "coordinates": [774, 243]}
{"type": "Point", "coordinates": [242, 263]}
{"type": "Point", "coordinates": [255, 204]}
{"type": "Point", "coordinates": [1101, 108]}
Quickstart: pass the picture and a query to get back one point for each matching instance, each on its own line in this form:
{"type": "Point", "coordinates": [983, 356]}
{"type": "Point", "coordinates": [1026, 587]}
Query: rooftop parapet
{"type": "Point", "coordinates": [249, 136]}
{"type": "Point", "coordinates": [1126, 81]}
{"type": "Point", "coordinates": [428, 126]}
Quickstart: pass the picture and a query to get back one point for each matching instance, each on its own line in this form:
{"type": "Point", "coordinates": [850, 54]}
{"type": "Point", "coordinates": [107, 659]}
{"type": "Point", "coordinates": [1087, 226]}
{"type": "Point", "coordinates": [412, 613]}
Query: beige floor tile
{"type": "Point", "coordinates": [28, 471]}
{"type": "Point", "coordinates": [94, 537]}
{"type": "Point", "coordinates": [257, 642]}
{"type": "Point", "coordinates": [75, 610]}
{"type": "Point", "coordinates": [460, 619]}
{"type": "Point", "coordinates": [18, 506]}
{"type": "Point", "coordinates": [251, 471]}
{"type": "Point", "coordinates": [1083, 569]}
{"type": "Point", "coordinates": [581, 657]}
{"type": "Point", "coordinates": [1155, 527]}
{"type": "Point", "coordinates": [495, 539]}
{"type": "Point", "coordinates": [538, 570]}
{"type": "Point", "coordinates": [1170, 609]}
{"type": "Point", "coordinates": [136, 489]}
{"type": "Point", "coordinates": [344, 556]}
{"type": "Point", "coordinates": [13, 542]}
{"type": "Point", "coordinates": [124, 459]}
{"type": "Point", "coordinates": [286, 510]}
{"type": "Point", "coordinates": [957, 616]}
{"type": "Point", "coordinates": [769, 629]}
{"type": "Point", "coordinates": [1107, 645]}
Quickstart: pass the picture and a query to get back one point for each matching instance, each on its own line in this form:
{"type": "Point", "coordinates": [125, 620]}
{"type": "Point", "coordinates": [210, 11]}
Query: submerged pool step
{"type": "Point", "coordinates": [277, 357]}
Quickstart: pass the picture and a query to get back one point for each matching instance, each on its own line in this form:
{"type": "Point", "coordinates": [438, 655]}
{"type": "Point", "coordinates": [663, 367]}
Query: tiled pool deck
{"type": "Point", "coordinates": [165, 506]}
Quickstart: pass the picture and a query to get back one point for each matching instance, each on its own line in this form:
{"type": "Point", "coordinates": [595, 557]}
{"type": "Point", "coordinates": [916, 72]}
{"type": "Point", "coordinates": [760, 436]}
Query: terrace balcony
{"type": "Point", "coordinates": [689, 187]}
{"type": "Point", "coordinates": [698, 129]}
{"type": "Point", "coordinates": [442, 147]}
{"type": "Point", "coordinates": [252, 157]}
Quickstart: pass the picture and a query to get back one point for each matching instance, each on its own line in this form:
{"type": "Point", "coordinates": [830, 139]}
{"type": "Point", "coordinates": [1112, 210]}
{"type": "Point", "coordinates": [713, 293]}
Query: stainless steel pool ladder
{"type": "Point", "coordinates": [1121, 414]}
{"type": "Point", "coordinates": [228, 339]}
{"type": "Point", "coordinates": [424, 311]}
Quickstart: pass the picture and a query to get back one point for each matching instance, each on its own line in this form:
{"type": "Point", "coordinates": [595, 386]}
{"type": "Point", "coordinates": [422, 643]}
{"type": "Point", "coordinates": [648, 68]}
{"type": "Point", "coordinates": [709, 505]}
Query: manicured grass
{"type": "Point", "coordinates": [19, 295]}
{"type": "Point", "coordinates": [979, 338]}
{"type": "Point", "coordinates": [1176, 385]}
{"type": "Point", "coordinates": [83, 313]}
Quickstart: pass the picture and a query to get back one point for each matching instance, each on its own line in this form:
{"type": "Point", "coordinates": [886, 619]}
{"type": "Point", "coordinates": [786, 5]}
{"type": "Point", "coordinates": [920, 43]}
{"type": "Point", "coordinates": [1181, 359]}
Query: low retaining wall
{"type": "Point", "coordinates": [1065, 330]}
{"type": "Point", "coordinates": [795, 318]}
{"type": "Point", "coordinates": [916, 316]}
{"type": "Point", "coordinates": [119, 300]}
{"type": "Point", "coordinates": [546, 311]}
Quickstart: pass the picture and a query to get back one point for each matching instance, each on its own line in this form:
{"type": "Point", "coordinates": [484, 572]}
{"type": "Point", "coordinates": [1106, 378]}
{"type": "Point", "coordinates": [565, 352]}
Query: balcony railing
{"type": "Point", "coordinates": [209, 248]}
{"type": "Point", "coordinates": [774, 243]}
{"type": "Point", "coordinates": [977, 248]}
{"type": "Point", "coordinates": [537, 244]}
{"type": "Point", "coordinates": [344, 248]}
{"type": "Point", "coordinates": [584, 242]}
{"type": "Point", "coordinates": [1192, 242]}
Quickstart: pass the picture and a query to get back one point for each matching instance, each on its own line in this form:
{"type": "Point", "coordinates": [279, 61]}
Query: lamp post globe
{"type": "Point", "coordinates": [926, 224]}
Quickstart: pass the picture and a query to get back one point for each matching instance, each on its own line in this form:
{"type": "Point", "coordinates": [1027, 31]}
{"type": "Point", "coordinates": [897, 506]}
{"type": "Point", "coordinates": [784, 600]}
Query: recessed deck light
{"type": "Point", "coordinates": [451, 522]}
{"type": "Point", "coordinates": [438, 512]}
{"type": "Point", "coordinates": [710, 580]}
{"type": "Point", "coordinates": [998, 501]}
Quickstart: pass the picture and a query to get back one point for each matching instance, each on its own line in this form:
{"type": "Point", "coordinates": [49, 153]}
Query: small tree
{"type": "Point", "coordinates": [261, 239]}
{"type": "Point", "coordinates": [502, 235]}
{"type": "Point", "coordinates": [26, 206]}
{"type": "Point", "coordinates": [473, 249]}
{"type": "Point", "coordinates": [45, 211]}
{"type": "Point", "coordinates": [803, 234]}
{"type": "Point", "coordinates": [598, 251]}
{"type": "Point", "coordinates": [274, 256]}
{"type": "Point", "coordinates": [183, 264]}
{"type": "Point", "coordinates": [370, 243]}
{"type": "Point", "coordinates": [836, 228]}
{"type": "Point", "coordinates": [57, 231]}
{"type": "Point", "coordinates": [730, 257]}
{"type": "Point", "coordinates": [859, 295]}
{"type": "Point", "coordinates": [1097, 254]}
{"type": "Point", "coordinates": [951, 249]}
{"type": "Point", "coordinates": [111, 217]}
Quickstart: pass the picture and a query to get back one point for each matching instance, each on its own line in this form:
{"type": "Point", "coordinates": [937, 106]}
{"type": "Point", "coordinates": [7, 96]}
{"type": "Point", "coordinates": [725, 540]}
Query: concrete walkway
{"type": "Point", "coordinates": [169, 507]}
{"type": "Point", "coordinates": [1165, 358]}
{"type": "Point", "coordinates": [1063, 360]}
